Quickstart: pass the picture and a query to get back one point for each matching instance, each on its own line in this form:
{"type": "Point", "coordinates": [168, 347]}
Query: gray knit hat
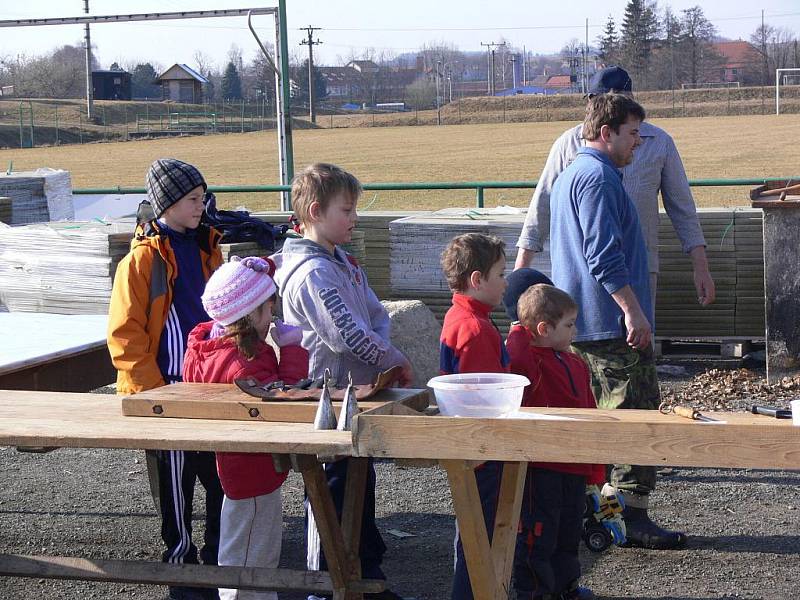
{"type": "Point", "coordinates": [168, 180]}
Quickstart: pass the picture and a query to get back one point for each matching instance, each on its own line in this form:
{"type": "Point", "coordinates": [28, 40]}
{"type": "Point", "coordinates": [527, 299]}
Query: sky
{"type": "Point", "coordinates": [349, 27]}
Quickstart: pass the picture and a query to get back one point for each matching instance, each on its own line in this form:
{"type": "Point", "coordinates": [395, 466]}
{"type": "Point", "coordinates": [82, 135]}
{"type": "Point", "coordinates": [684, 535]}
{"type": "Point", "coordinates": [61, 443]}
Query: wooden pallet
{"type": "Point", "coordinates": [732, 347]}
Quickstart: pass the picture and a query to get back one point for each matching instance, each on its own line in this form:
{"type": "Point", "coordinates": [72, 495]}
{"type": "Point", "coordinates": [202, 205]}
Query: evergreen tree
{"type": "Point", "coordinates": [231, 83]}
{"type": "Point", "coordinates": [143, 77]}
{"type": "Point", "coordinates": [640, 28]}
{"type": "Point", "coordinates": [608, 43]}
{"type": "Point", "coordinates": [300, 77]}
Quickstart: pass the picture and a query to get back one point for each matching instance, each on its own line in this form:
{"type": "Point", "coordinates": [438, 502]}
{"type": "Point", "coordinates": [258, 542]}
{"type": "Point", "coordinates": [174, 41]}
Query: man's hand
{"type": "Point", "coordinates": [703, 282]}
{"type": "Point", "coordinates": [638, 328]}
{"type": "Point", "coordinates": [524, 258]}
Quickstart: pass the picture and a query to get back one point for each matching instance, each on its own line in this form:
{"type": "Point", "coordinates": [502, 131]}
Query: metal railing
{"type": "Point", "coordinates": [478, 186]}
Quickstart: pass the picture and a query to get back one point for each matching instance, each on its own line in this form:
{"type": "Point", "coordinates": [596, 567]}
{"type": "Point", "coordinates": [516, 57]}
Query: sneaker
{"type": "Point", "coordinates": [192, 593]}
{"type": "Point", "coordinates": [643, 533]}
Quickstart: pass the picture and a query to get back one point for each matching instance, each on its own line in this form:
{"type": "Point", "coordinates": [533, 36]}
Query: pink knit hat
{"type": "Point", "coordinates": [238, 288]}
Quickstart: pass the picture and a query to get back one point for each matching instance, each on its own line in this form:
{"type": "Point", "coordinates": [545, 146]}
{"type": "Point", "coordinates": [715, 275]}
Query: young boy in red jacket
{"type": "Point", "coordinates": [546, 563]}
{"type": "Point", "coordinates": [474, 265]}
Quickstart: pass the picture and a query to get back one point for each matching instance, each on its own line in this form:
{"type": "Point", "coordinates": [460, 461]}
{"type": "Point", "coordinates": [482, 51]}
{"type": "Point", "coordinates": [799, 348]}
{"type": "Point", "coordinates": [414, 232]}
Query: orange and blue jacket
{"type": "Point", "coordinates": [140, 301]}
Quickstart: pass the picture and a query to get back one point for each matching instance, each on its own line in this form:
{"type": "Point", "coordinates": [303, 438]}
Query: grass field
{"type": "Point", "coordinates": [711, 147]}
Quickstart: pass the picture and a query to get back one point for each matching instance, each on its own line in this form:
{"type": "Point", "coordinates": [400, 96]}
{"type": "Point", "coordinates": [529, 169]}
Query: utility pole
{"type": "Point", "coordinates": [310, 42]}
{"type": "Point", "coordinates": [524, 66]}
{"type": "Point", "coordinates": [513, 60]}
{"type": "Point", "coordinates": [438, 98]}
{"type": "Point", "coordinates": [89, 95]}
{"type": "Point", "coordinates": [490, 47]}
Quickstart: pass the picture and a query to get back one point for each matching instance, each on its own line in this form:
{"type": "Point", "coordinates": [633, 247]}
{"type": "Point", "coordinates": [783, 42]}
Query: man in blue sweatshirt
{"type": "Point", "coordinates": [599, 257]}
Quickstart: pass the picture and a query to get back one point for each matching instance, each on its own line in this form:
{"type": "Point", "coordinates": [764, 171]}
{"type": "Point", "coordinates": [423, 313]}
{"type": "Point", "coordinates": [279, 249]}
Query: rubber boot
{"type": "Point", "coordinates": [642, 532]}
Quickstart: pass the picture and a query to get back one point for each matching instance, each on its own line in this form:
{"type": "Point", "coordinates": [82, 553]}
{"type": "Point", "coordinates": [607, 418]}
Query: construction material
{"type": "Point", "coordinates": [65, 268]}
{"type": "Point", "coordinates": [416, 333]}
{"type": "Point", "coordinates": [38, 196]}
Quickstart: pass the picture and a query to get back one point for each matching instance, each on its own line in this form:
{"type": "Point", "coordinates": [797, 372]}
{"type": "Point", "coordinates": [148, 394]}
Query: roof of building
{"type": "Point", "coordinates": [738, 53]}
{"type": "Point", "coordinates": [365, 66]}
{"type": "Point", "coordinates": [558, 81]}
{"type": "Point", "coordinates": [185, 68]}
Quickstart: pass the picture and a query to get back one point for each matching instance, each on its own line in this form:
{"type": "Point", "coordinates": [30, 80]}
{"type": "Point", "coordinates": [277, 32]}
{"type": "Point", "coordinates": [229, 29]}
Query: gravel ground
{"type": "Point", "coordinates": [744, 525]}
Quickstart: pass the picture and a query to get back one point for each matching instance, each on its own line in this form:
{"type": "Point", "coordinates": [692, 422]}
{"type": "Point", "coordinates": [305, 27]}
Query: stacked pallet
{"type": "Point", "coordinates": [678, 314]}
{"type": "Point", "coordinates": [65, 268]}
{"type": "Point", "coordinates": [38, 196]}
{"type": "Point", "coordinates": [375, 228]}
{"type": "Point", "coordinates": [417, 243]}
{"type": "Point", "coordinates": [242, 250]}
{"type": "Point", "coordinates": [749, 235]}
{"type": "Point", "coordinates": [5, 210]}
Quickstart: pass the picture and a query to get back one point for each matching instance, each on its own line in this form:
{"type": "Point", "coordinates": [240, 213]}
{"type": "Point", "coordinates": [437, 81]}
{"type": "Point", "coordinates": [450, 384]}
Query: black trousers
{"type": "Point", "coordinates": [551, 524]}
{"type": "Point", "coordinates": [177, 472]}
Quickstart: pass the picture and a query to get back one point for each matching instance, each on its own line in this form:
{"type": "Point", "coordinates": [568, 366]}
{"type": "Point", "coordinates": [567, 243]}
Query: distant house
{"type": "Point", "coordinates": [364, 82]}
{"type": "Point", "coordinates": [366, 67]}
{"type": "Point", "coordinates": [559, 82]}
{"type": "Point", "coordinates": [741, 62]}
{"type": "Point", "coordinates": [111, 85]}
{"type": "Point", "coordinates": [181, 83]}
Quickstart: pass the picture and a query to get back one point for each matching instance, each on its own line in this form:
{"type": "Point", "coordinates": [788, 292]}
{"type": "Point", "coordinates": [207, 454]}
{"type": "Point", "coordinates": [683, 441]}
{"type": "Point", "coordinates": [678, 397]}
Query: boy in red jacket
{"type": "Point", "coordinates": [239, 298]}
{"type": "Point", "coordinates": [546, 563]}
{"type": "Point", "coordinates": [474, 265]}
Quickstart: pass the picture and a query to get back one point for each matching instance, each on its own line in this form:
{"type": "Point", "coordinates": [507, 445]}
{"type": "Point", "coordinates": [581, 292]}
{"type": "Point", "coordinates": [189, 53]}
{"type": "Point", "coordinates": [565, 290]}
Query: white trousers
{"type": "Point", "coordinates": [250, 536]}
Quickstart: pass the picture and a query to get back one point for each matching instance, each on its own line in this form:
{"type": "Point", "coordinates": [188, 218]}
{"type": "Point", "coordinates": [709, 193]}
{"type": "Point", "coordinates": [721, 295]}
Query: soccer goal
{"type": "Point", "coordinates": [784, 77]}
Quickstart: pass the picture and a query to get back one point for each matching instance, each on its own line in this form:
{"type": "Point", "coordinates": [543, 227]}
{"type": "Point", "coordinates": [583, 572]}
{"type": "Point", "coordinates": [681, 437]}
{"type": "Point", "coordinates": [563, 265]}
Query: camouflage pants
{"type": "Point", "coordinates": [623, 377]}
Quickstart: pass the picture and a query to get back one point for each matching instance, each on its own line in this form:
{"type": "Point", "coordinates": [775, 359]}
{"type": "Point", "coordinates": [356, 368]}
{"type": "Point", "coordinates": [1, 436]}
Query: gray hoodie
{"type": "Point", "coordinates": [345, 327]}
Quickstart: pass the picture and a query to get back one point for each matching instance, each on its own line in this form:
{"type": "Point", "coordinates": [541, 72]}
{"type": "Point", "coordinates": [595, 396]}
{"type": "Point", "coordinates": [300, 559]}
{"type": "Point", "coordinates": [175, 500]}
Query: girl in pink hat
{"type": "Point", "coordinates": [239, 298]}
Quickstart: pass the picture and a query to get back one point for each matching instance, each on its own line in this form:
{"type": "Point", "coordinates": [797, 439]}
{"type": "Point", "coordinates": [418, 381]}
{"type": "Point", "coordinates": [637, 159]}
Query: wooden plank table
{"type": "Point", "coordinates": [642, 437]}
{"type": "Point", "coordinates": [55, 419]}
{"type": "Point", "coordinates": [52, 352]}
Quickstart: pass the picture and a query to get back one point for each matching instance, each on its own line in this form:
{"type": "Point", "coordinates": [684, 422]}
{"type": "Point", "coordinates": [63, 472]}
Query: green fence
{"type": "Point", "coordinates": [478, 186]}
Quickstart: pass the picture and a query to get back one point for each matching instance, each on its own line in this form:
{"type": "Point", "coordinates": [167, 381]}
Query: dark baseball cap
{"type": "Point", "coordinates": [610, 79]}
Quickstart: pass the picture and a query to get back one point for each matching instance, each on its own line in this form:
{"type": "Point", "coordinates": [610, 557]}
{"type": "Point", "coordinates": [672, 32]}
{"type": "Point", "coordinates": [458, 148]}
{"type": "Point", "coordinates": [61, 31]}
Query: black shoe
{"type": "Point", "coordinates": [643, 533]}
{"type": "Point", "coordinates": [386, 594]}
{"type": "Point", "coordinates": [578, 592]}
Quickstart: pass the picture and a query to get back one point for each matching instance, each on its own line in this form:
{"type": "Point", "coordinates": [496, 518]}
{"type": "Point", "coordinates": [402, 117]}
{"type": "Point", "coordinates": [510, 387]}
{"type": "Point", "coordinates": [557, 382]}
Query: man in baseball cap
{"type": "Point", "coordinates": [655, 168]}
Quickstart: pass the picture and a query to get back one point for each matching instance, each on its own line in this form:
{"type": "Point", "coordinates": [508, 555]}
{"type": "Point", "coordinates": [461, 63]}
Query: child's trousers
{"type": "Point", "coordinates": [177, 472]}
{"type": "Point", "coordinates": [551, 524]}
{"type": "Point", "coordinates": [250, 536]}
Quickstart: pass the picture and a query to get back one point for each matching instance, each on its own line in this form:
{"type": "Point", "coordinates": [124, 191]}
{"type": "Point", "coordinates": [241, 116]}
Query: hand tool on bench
{"type": "Point", "coordinates": [687, 412]}
{"type": "Point", "coordinates": [771, 411]}
{"type": "Point", "coordinates": [312, 390]}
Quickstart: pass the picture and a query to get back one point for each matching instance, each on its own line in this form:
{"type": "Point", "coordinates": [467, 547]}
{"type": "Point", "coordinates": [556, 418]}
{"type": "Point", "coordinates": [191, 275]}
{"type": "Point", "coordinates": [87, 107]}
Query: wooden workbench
{"type": "Point", "coordinates": [396, 429]}
{"type": "Point", "coordinates": [54, 419]}
{"type": "Point", "coordinates": [641, 437]}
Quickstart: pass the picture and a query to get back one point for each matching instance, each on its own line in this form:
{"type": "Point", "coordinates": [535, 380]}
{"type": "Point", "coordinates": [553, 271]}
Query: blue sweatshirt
{"type": "Point", "coordinates": [596, 244]}
{"type": "Point", "coordinates": [187, 309]}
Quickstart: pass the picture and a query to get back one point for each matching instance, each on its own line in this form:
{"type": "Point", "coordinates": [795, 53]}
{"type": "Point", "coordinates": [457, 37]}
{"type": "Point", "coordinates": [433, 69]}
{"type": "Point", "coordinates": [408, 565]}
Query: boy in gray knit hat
{"type": "Point", "coordinates": [155, 303]}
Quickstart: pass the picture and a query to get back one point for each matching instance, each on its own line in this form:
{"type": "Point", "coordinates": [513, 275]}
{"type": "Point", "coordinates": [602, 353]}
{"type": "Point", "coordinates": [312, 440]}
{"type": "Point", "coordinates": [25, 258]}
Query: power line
{"type": "Point", "coordinates": [310, 42]}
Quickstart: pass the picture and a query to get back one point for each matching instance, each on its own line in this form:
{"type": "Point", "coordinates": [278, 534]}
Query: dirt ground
{"type": "Point", "coordinates": [744, 526]}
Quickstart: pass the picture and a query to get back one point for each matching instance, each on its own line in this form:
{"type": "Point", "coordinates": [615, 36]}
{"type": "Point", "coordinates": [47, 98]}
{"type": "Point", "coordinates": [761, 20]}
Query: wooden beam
{"type": "Point", "coordinates": [352, 514]}
{"type": "Point", "coordinates": [643, 437]}
{"type": "Point", "coordinates": [506, 521]}
{"type": "Point", "coordinates": [156, 573]}
{"type": "Point", "coordinates": [330, 533]}
{"type": "Point", "coordinates": [472, 528]}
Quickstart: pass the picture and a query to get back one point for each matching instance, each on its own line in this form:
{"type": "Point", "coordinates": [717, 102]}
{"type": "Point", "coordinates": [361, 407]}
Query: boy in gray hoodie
{"type": "Point", "coordinates": [345, 327]}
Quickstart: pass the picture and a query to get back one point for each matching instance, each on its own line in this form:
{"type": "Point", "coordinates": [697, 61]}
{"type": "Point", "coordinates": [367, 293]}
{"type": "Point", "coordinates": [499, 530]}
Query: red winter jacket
{"type": "Point", "coordinates": [470, 342]}
{"type": "Point", "coordinates": [558, 379]}
{"type": "Point", "coordinates": [242, 474]}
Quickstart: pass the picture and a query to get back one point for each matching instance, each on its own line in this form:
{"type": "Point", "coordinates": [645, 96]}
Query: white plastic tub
{"type": "Point", "coordinates": [478, 394]}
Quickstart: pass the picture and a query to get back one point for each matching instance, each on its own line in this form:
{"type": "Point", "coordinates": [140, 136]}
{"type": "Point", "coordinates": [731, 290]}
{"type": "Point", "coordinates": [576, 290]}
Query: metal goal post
{"type": "Point", "coordinates": [778, 76]}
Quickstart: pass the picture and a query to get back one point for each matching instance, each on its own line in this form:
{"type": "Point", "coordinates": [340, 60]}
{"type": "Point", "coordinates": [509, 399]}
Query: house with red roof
{"type": "Point", "coordinates": [741, 62]}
